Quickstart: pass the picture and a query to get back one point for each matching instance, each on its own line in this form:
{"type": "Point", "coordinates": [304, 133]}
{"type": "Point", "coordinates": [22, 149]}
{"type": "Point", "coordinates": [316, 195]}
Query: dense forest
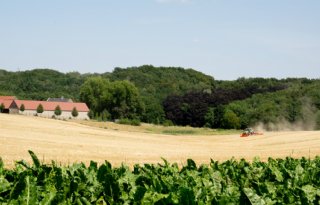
{"type": "Point", "coordinates": [171, 95]}
{"type": "Point", "coordinates": [40, 84]}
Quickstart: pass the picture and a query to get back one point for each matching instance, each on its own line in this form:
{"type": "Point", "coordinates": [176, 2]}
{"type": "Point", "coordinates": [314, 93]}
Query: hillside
{"type": "Point", "coordinates": [154, 84]}
{"type": "Point", "coordinates": [287, 104]}
{"type": "Point", "coordinates": [187, 97]}
{"type": "Point", "coordinates": [157, 82]}
{"type": "Point", "coordinates": [40, 84]}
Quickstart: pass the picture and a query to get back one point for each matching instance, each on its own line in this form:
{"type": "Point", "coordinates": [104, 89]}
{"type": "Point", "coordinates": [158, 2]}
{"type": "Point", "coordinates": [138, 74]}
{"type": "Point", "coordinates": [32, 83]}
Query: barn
{"type": "Point", "coordinates": [11, 105]}
{"type": "Point", "coordinates": [30, 108]}
{"type": "Point", "coordinates": [7, 104]}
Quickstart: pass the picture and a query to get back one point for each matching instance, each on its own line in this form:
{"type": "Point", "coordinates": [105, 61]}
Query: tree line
{"type": "Point", "coordinates": [171, 95]}
{"type": "Point", "coordinates": [202, 108]}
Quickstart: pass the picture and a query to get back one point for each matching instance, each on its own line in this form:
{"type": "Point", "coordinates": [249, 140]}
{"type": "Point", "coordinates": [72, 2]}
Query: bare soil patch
{"type": "Point", "coordinates": [68, 142]}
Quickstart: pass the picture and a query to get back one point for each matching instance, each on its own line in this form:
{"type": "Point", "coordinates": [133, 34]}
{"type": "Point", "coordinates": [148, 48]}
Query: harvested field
{"type": "Point", "coordinates": [69, 142]}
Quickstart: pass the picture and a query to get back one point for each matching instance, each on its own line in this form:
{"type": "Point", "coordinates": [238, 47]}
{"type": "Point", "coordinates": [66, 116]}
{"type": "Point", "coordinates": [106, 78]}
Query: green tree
{"type": "Point", "coordinates": [230, 120]}
{"type": "Point", "coordinates": [96, 93]}
{"type": "Point", "coordinates": [1, 107]}
{"type": "Point", "coordinates": [74, 112]}
{"type": "Point", "coordinates": [22, 108]}
{"type": "Point", "coordinates": [241, 109]}
{"type": "Point", "coordinates": [219, 112]}
{"type": "Point", "coordinates": [105, 115]}
{"type": "Point", "coordinates": [91, 114]}
{"type": "Point", "coordinates": [40, 108]}
{"type": "Point", "coordinates": [121, 99]}
{"type": "Point", "coordinates": [126, 101]}
{"type": "Point", "coordinates": [294, 107]}
{"type": "Point", "coordinates": [57, 110]}
{"type": "Point", "coordinates": [318, 120]}
{"type": "Point", "coordinates": [210, 118]}
{"type": "Point", "coordinates": [154, 112]}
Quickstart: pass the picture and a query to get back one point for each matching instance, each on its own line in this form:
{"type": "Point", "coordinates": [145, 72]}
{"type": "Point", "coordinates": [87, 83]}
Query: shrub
{"type": "Point", "coordinates": [230, 120]}
{"type": "Point", "coordinates": [105, 115]}
{"type": "Point", "coordinates": [57, 110]}
{"type": "Point", "coordinates": [22, 108]}
{"type": "Point", "coordinates": [74, 112]}
{"type": "Point", "coordinates": [135, 122]}
{"type": "Point", "coordinates": [40, 109]}
{"type": "Point", "coordinates": [126, 121]}
{"type": "Point", "coordinates": [167, 123]}
{"type": "Point", "coordinates": [318, 120]}
{"type": "Point", "coordinates": [1, 107]}
{"type": "Point", "coordinates": [90, 114]}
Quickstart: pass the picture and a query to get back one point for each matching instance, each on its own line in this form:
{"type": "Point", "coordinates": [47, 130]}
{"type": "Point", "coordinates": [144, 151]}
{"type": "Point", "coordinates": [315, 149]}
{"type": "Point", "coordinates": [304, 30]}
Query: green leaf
{"type": "Point", "coordinates": [24, 164]}
{"type": "Point", "coordinates": [277, 173]}
{"type": "Point", "coordinates": [18, 187]}
{"type": "Point", "coordinates": [29, 195]}
{"type": "Point", "coordinates": [35, 159]}
{"type": "Point", "coordinates": [153, 197]}
{"type": "Point", "coordinates": [191, 164]}
{"type": "Point", "coordinates": [4, 185]}
{"type": "Point", "coordinates": [310, 192]}
{"type": "Point", "coordinates": [48, 197]}
{"type": "Point", "coordinates": [299, 170]}
{"type": "Point", "coordinates": [186, 196]}
{"type": "Point", "coordinates": [101, 201]}
{"type": "Point", "coordinates": [139, 193]}
{"type": "Point", "coordinates": [271, 189]}
{"type": "Point", "coordinates": [85, 201]}
{"type": "Point", "coordinates": [1, 166]}
{"type": "Point", "coordinates": [253, 197]}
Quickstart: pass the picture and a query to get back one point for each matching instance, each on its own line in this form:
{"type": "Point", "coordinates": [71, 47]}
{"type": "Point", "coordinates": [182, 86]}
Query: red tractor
{"type": "Point", "coordinates": [248, 132]}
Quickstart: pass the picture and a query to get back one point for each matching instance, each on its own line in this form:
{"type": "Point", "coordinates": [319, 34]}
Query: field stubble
{"type": "Point", "coordinates": [68, 142]}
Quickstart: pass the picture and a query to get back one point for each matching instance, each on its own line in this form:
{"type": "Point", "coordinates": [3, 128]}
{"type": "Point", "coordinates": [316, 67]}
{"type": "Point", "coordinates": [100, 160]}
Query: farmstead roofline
{"type": "Point", "coordinates": [6, 103]}
{"type": "Point", "coordinates": [51, 106]}
{"type": "Point", "coordinates": [68, 110]}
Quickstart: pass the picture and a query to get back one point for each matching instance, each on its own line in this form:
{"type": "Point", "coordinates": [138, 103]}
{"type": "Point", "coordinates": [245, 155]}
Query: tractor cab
{"type": "Point", "coordinates": [249, 131]}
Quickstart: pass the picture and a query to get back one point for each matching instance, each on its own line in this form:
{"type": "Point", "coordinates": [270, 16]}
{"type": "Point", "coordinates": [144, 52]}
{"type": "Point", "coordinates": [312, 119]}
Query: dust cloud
{"type": "Point", "coordinates": [307, 121]}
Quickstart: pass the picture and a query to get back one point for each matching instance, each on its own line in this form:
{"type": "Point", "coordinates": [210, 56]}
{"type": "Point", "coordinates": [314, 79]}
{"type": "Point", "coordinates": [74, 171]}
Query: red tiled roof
{"type": "Point", "coordinates": [6, 103]}
{"type": "Point", "coordinates": [8, 97]}
{"type": "Point", "coordinates": [51, 106]}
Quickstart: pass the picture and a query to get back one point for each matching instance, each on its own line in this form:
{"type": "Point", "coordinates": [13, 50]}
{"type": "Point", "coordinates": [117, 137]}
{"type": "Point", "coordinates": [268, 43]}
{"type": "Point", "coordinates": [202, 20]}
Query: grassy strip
{"type": "Point", "coordinates": [158, 129]}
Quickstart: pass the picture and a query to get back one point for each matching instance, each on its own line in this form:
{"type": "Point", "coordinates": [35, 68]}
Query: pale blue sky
{"type": "Point", "coordinates": [223, 38]}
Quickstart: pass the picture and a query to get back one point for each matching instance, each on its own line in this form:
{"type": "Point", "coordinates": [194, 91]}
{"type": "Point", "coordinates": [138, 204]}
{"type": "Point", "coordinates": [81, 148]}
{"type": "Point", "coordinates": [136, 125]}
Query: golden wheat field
{"type": "Point", "coordinates": [68, 142]}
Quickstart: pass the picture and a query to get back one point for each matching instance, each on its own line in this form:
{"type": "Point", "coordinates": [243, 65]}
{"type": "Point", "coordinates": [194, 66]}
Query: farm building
{"type": "Point", "coordinates": [5, 102]}
{"type": "Point", "coordinates": [30, 107]}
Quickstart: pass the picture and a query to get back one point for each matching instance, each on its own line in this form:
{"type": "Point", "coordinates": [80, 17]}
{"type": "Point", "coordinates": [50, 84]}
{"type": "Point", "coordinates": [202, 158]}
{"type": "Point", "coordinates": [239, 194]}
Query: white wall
{"type": "Point", "coordinates": [49, 114]}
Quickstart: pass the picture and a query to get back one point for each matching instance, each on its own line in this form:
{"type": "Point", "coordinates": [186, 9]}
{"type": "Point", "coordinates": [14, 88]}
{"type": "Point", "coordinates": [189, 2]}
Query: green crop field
{"type": "Point", "coordinates": [277, 181]}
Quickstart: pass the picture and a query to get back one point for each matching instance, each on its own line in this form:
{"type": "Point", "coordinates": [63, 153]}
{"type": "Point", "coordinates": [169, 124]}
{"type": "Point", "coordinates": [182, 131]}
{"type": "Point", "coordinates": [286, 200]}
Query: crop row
{"type": "Point", "coordinates": [277, 181]}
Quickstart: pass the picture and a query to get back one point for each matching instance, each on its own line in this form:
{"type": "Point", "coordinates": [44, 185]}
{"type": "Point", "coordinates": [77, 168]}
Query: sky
{"type": "Point", "coordinates": [226, 39]}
